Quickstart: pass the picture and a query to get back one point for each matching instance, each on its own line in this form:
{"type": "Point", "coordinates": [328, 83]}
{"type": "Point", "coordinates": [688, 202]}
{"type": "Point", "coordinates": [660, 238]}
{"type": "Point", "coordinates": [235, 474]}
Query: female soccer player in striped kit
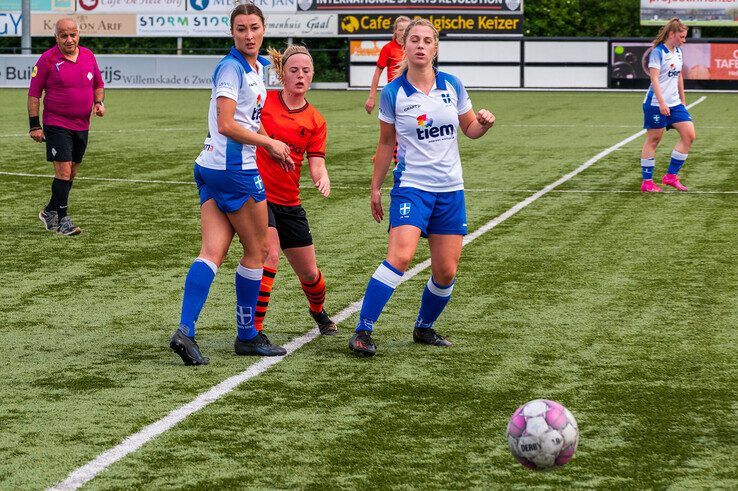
{"type": "Point", "coordinates": [288, 117]}
{"type": "Point", "coordinates": [664, 107]}
{"type": "Point", "coordinates": [424, 109]}
{"type": "Point", "coordinates": [232, 197]}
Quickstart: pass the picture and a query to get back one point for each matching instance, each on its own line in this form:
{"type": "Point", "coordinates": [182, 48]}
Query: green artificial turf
{"type": "Point", "coordinates": [621, 306]}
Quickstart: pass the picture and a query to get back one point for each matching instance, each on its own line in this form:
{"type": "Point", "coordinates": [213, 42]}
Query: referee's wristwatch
{"type": "Point", "coordinates": [100, 102]}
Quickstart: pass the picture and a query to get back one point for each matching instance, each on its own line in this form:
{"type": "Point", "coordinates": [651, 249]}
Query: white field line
{"type": "Point", "coordinates": [108, 179]}
{"type": "Point", "coordinates": [357, 188]}
{"type": "Point", "coordinates": [87, 472]}
{"type": "Point", "coordinates": [131, 130]}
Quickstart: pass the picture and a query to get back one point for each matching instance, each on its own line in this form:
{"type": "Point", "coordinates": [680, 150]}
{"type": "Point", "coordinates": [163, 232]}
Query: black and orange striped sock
{"type": "Point", "coordinates": [265, 291]}
{"type": "Point", "coordinates": [315, 293]}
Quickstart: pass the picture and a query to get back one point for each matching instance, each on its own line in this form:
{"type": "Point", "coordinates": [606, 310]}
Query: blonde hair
{"type": "Point", "coordinates": [400, 18]}
{"type": "Point", "coordinates": [279, 60]}
{"type": "Point", "coordinates": [674, 25]}
{"type": "Point", "coordinates": [414, 23]}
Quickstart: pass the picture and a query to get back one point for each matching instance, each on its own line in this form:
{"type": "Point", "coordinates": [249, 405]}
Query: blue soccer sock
{"type": "Point", "coordinates": [677, 161]}
{"type": "Point", "coordinates": [647, 167]}
{"type": "Point", "coordinates": [381, 286]}
{"type": "Point", "coordinates": [248, 282]}
{"type": "Point", "coordinates": [435, 298]}
{"type": "Point", "coordinates": [196, 289]}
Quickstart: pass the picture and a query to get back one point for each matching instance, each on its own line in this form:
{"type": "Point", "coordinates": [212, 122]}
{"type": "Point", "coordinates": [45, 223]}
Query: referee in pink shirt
{"type": "Point", "coordinates": [71, 79]}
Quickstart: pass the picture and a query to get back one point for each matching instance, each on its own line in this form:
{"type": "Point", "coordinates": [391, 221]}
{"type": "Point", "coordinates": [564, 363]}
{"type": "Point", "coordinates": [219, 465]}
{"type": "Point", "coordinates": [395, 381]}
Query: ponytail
{"type": "Point", "coordinates": [279, 59]}
{"type": "Point", "coordinates": [674, 25]}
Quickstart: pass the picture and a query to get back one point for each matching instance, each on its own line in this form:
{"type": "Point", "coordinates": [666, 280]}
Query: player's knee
{"type": "Point", "coordinates": [63, 173]}
{"type": "Point", "coordinates": [262, 251]}
{"type": "Point", "coordinates": [214, 257]}
{"type": "Point", "coordinates": [400, 261]}
{"type": "Point", "coordinates": [653, 141]}
{"type": "Point", "coordinates": [309, 276]}
{"type": "Point", "coordinates": [272, 257]}
{"type": "Point", "coordinates": [445, 276]}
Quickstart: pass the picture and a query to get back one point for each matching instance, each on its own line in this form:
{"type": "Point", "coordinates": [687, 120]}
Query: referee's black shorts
{"type": "Point", "coordinates": [63, 145]}
{"type": "Point", "coordinates": [291, 224]}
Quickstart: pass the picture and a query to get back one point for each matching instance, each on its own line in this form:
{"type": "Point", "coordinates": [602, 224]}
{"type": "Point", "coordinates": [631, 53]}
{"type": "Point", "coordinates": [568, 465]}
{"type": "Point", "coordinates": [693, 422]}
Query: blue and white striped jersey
{"type": "Point", "coordinates": [427, 131]}
{"type": "Point", "coordinates": [235, 79]}
{"type": "Point", "coordinates": [669, 64]}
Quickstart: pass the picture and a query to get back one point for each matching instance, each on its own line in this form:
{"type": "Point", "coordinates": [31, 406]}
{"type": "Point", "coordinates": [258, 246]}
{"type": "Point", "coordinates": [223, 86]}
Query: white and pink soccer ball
{"type": "Point", "coordinates": [542, 434]}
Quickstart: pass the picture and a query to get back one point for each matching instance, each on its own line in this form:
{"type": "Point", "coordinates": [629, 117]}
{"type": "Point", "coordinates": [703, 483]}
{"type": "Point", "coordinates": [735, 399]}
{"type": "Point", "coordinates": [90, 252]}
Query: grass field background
{"type": "Point", "coordinates": [621, 306]}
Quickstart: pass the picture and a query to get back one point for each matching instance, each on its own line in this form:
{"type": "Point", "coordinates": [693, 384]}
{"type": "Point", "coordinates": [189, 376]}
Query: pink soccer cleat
{"type": "Point", "coordinates": [648, 186]}
{"type": "Point", "coordinates": [673, 181]}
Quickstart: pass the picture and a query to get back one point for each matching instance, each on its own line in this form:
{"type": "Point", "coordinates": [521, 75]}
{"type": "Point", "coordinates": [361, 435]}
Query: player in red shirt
{"type": "Point", "coordinates": [74, 88]}
{"type": "Point", "coordinates": [389, 57]}
{"type": "Point", "coordinates": [287, 116]}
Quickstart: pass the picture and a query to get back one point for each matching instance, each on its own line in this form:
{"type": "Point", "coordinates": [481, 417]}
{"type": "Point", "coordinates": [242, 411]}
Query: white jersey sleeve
{"type": "Point", "coordinates": [655, 59]}
{"type": "Point", "coordinates": [387, 102]}
{"type": "Point", "coordinates": [228, 81]}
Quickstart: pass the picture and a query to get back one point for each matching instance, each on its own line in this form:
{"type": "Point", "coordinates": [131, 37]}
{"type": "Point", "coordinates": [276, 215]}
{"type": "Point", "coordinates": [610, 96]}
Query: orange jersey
{"type": "Point", "coordinates": [304, 130]}
{"type": "Point", "coordinates": [390, 57]}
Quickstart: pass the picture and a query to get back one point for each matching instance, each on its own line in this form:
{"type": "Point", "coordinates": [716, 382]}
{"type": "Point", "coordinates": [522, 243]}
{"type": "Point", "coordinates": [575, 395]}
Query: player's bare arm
{"type": "Point", "coordinates": [229, 127]}
{"type": "Point", "coordinates": [35, 132]}
{"type": "Point", "coordinates": [382, 161]}
{"type": "Point", "coordinates": [476, 125]}
{"type": "Point", "coordinates": [98, 107]}
{"type": "Point", "coordinates": [319, 175]}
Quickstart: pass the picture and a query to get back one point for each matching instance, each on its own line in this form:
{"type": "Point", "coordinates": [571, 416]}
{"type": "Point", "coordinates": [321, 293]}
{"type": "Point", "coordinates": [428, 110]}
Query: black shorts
{"type": "Point", "coordinates": [291, 224]}
{"type": "Point", "coordinates": [63, 145]}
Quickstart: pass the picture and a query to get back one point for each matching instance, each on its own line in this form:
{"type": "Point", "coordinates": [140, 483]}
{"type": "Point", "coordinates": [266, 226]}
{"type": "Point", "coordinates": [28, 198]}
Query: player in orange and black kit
{"type": "Point", "coordinates": [390, 57]}
{"type": "Point", "coordinates": [288, 116]}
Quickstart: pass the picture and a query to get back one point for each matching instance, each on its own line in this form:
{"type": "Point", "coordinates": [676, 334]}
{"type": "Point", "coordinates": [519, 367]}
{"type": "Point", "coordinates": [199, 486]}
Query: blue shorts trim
{"type": "Point", "coordinates": [653, 119]}
{"type": "Point", "coordinates": [229, 188]}
{"type": "Point", "coordinates": [432, 213]}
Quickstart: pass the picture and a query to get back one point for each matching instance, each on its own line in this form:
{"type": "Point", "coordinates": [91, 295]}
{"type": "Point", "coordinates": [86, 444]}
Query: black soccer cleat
{"type": "Point", "coordinates": [361, 343]}
{"type": "Point", "coordinates": [325, 325]}
{"type": "Point", "coordinates": [430, 336]}
{"type": "Point", "coordinates": [258, 346]}
{"type": "Point", "coordinates": [187, 349]}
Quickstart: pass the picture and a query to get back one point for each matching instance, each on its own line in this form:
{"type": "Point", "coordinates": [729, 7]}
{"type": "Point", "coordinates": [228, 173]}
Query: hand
{"type": "Point", "coordinates": [324, 186]}
{"type": "Point", "coordinates": [664, 109]}
{"type": "Point", "coordinates": [369, 105]}
{"type": "Point", "coordinates": [377, 211]}
{"type": "Point", "coordinates": [485, 118]}
{"type": "Point", "coordinates": [37, 135]}
{"type": "Point", "coordinates": [98, 110]}
{"type": "Point", "coordinates": [280, 152]}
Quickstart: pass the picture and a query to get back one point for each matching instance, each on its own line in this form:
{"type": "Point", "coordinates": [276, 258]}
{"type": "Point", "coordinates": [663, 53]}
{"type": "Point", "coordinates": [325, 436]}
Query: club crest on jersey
{"type": "Point", "coordinates": [426, 129]}
{"type": "Point", "coordinates": [446, 97]}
